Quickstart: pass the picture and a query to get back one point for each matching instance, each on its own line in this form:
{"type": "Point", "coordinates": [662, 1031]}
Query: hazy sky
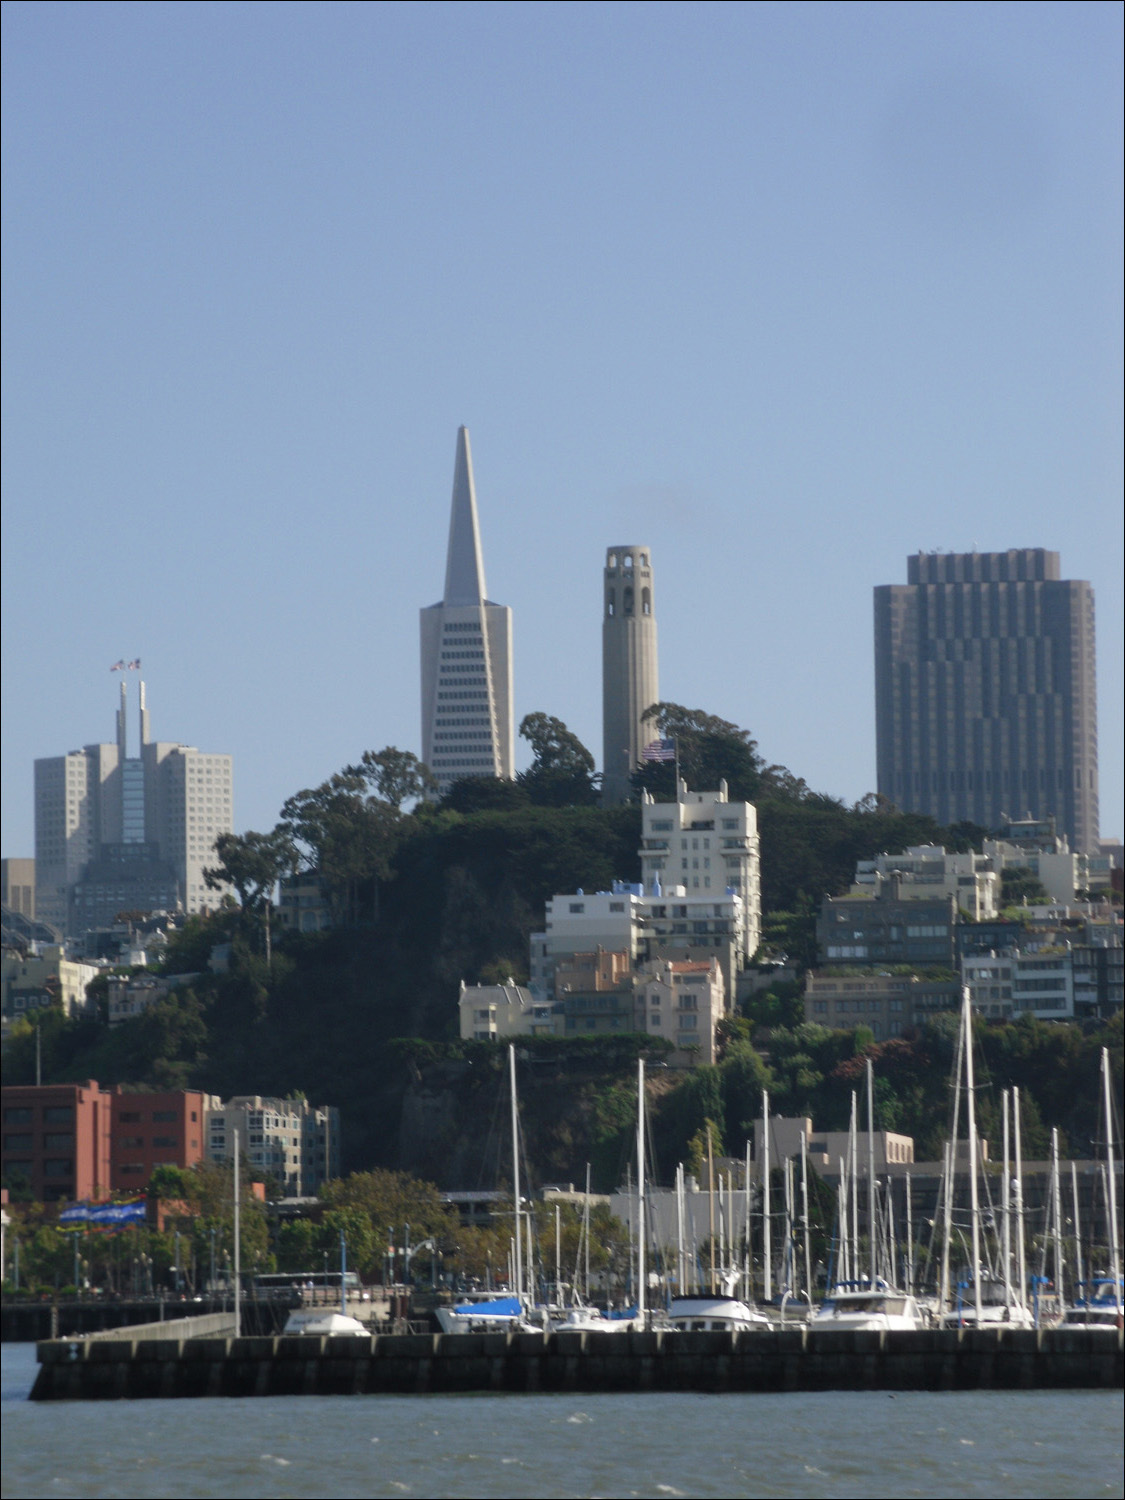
{"type": "Point", "coordinates": [785, 292]}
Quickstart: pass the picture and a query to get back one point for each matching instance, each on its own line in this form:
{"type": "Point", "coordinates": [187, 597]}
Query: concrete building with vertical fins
{"type": "Point", "coordinates": [985, 692]}
{"type": "Point", "coordinates": [467, 724]}
{"type": "Point", "coordinates": [630, 675]}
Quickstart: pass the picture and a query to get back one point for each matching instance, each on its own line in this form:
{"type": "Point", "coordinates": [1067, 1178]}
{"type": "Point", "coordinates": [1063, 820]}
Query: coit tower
{"type": "Point", "coordinates": [630, 681]}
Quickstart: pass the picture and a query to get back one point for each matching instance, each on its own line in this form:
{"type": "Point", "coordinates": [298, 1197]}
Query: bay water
{"type": "Point", "coordinates": [840, 1443]}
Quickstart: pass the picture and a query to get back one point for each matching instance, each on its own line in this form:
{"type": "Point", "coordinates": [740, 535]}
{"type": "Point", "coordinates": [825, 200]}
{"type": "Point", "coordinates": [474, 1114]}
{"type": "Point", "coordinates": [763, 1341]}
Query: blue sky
{"type": "Point", "coordinates": [785, 292]}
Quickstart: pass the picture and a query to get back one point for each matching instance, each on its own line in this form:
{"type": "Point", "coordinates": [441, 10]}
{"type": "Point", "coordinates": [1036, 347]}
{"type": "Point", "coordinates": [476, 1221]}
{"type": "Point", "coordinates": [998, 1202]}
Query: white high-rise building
{"type": "Point", "coordinates": [115, 831]}
{"type": "Point", "coordinates": [705, 845]}
{"type": "Point", "coordinates": [467, 725]}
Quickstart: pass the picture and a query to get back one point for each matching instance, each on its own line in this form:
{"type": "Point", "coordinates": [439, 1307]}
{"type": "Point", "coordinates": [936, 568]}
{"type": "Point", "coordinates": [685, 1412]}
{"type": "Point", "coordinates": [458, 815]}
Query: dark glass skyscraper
{"type": "Point", "coordinates": [985, 696]}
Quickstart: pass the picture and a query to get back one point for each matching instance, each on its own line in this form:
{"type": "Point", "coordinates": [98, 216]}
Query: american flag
{"type": "Point", "coordinates": [659, 750]}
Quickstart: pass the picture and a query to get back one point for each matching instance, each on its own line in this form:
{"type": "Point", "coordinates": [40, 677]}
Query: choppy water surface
{"type": "Point", "coordinates": [833, 1444]}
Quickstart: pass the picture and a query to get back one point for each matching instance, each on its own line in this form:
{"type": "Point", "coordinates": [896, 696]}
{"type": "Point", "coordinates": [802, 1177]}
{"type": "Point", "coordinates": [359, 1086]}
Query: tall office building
{"type": "Point", "coordinates": [467, 727]}
{"type": "Point", "coordinates": [630, 680]}
{"type": "Point", "coordinates": [118, 831]}
{"type": "Point", "coordinates": [985, 693]}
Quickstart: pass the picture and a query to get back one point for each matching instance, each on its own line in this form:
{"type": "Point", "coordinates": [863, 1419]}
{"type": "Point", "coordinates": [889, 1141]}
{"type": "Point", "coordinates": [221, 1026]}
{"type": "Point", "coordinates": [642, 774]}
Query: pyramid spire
{"type": "Point", "coordinates": [464, 566]}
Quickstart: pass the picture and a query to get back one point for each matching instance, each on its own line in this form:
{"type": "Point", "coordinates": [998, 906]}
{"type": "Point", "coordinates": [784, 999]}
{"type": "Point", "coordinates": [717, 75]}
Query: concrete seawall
{"type": "Point", "coordinates": [205, 1326]}
{"type": "Point", "coordinates": [793, 1360]}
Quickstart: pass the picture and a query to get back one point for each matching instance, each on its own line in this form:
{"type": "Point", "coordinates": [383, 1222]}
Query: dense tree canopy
{"type": "Point", "coordinates": [562, 771]}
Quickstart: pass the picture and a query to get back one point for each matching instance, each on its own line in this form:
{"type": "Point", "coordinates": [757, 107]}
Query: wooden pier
{"type": "Point", "coordinates": [421, 1364]}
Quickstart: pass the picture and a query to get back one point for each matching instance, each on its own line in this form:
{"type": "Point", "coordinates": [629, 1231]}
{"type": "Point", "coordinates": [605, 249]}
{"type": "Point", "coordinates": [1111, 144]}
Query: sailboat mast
{"type": "Point", "coordinates": [237, 1238]}
{"type": "Point", "coordinates": [909, 1233]}
{"type": "Point", "coordinates": [805, 1212]}
{"type": "Point", "coordinates": [1056, 1209]}
{"type": "Point", "coordinates": [974, 1198]}
{"type": "Point", "coordinates": [748, 1293]}
{"type": "Point", "coordinates": [1077, 1230]}
{"type": "Point", "coordinates": [516, 1169]}
{"type": "Point", "coordinates": [871, 1168]}
{"type": "Point", "coordinates": [1006, 1206]}
{"type": "Point", "coordinates": [853, 1170]}
{"type": "Point", "coordinates": [641, 1190]}
{"type": "Point", "coordinates": [767, 1270]}
{"type": "Point", "coordinates": [711, 1202]}
{"type": "Point", "coordinates": [1114, 1245]}
{"type": "Point", "coordinates": [948, 1162]}
{"type": "Point", "coordinates": [586, 1233]}
{"type": "Point", "coordinates": [843, 1267]}
{"type": "Point", "coordinates": [1021, 1250]}
{"type": "Point", "coordinates": [681, 1276]}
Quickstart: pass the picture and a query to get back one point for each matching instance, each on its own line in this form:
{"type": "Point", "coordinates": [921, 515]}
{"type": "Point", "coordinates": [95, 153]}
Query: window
{"type": "Point", "coordinates": [129, 1117]}
{"type": "Point", "coordinates": [577, 907]}
{"type": "Point", "coordinates": [58, 1114]}
{"type": "Point", "coordinates": [17, 1115]}
{"type": "Point", "coordinates": [64, 1141]}
{"type": "Point", "coordinates": [165, 1142]}
{"type": "Point", "coordinates": [62, 1167]}
{"type": "Point", "coordinates": [17, 1142]}
{"type": "Point", "coordinates": [163, 1116]}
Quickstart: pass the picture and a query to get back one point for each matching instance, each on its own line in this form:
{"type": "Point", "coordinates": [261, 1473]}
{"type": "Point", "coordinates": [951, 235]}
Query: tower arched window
{"type": "Point", "coordinates": [646, 601]}
{"type": "Point", "coordinates": [627, 560]}
{"type": "Point", "coordinates": [611, 560]}
{"type": "Point", "coordinates": [611, 603]}
{"type": "Point", "coordinates": [627, 601]}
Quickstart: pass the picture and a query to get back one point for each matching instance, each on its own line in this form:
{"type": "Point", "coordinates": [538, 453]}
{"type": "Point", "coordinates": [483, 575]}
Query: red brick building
{"type": "Point", "coordinates": [71, 1141]}
{"type": "Point", "coordinates": [57, 1139]}
{"type": "Point", "coordinates": [155, 1130]}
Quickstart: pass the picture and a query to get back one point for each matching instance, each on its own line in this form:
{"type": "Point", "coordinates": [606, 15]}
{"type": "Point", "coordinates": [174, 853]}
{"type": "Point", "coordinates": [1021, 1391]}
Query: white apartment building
{"type": "Point", "coordinates": [706, 847]}
{"type": "Point", "coordinates": [582, 923]}
{"type": "Point", "coordinates": [494, 1012]}
{"type": "Point", "coordinates": [671, 922]}
{"type": "Point", "coordinates": [290, 1139]}
{"type": "Point", "coordinates": [926, 872]}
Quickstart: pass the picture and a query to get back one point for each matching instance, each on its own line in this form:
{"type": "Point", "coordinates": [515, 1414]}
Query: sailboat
{"type": "Point", "coordinates": [873, 1302]}
{"type": "Point", "coordinates": [991, 1300]}
{"type": "Point", "coordinates": [499, 1314]}
{"type": "Point", "coordinates": [716, 1307]}
{"type": "Point", "coordinates": [1098, 1299]}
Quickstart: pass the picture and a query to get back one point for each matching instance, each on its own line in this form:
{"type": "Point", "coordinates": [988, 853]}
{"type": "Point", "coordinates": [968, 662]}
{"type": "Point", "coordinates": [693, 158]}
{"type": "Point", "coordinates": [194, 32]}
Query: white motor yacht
{"type": "Point", "coordinates": [878, 1308]}
{"type": "Point", "coordinates": [708, 1312]}
{"type": "Point", "coordinates": [320, 1321]}
{"type": "Point", "coordinates": [999, 1308]}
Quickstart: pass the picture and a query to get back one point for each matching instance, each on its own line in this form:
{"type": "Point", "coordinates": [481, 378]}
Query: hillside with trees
{"type": "Point", "coordinates": [424, 894]}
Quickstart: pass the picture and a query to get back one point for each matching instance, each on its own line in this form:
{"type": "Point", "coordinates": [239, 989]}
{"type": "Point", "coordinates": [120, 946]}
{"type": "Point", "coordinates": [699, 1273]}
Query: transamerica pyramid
{"type": "Point", "coordinates": [467, 726]}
